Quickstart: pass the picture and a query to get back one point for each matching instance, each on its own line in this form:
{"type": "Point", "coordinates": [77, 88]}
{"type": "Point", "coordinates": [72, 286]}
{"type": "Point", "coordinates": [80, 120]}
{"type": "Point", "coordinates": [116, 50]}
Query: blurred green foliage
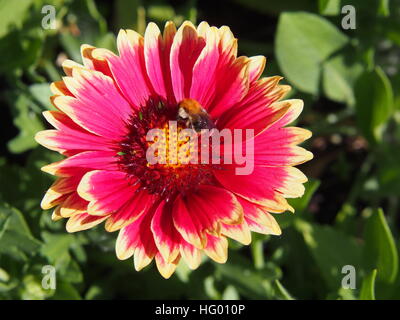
{"type": "Point", "coordinates": [349, 80]}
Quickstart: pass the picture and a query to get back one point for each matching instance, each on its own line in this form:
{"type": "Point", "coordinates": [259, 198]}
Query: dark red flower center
{"type": "Point", "coordinates": [170, 177]}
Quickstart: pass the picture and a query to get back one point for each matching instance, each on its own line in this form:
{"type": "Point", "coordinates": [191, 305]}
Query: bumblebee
{"type": "Point", "coordinates": [194, 115]}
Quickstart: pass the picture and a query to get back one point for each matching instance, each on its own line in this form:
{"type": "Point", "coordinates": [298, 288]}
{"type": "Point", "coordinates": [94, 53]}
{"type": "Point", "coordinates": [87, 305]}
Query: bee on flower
{"type": "Point", "coordinates": [163, 211]}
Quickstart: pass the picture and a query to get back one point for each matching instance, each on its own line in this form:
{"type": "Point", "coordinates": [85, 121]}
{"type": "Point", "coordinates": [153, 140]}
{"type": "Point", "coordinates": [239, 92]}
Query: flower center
{"type": "Point", "coordinates": [174, 170]}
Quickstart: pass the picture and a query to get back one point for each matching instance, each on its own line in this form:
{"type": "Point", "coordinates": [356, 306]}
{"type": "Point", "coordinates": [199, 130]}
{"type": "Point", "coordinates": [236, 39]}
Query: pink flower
{"type": "Point", "coordinates": [105, 108]}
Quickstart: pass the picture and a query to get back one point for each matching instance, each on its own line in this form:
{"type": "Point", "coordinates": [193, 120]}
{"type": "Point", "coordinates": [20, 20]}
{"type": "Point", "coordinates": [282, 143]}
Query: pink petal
{"type": "Point", "coordinates": [83, 221]}
{"type": "Point", "coordinates": [133, 208]}
{"type": "Point", "coordinates": [256, 111]}
{"type": "Point", "coordinates": [98, 106]}
{"type": "Point", "coordinates": [70, 143]}
{"type": "Point", "coordinates": [185, 50]}
{"type": "Point", "coordinates": [165, 234]}
{"type": "Point", "coordinates": [156, 53]}
{"type": "Point", "coordinates": [70, 136]}
{"type": "Point", "coordinates": [259, 219]}
{"type": "Point", "coordinates": [256, 67]}
{"type": "Point", "coordinates": [227, 45]}
{"type": "Point", "coordinates": [204, 81]}
{"type": "Point", "coordinates": [233, 85]}
{"type": "Point", "coordinates": [129, 69]}
{"type": "Point", "coordinates": [296, 107]}
{"type": "Point", "coordinates": [137, 239]}
{"type": "Point", "coordinates": [83, 162]}
{"type": "Point", "coordinates": [203, 211]}
{"type": "Point", "coordinates": [264, 185]}
{"type": "Point", "coordinates": [107, 191]}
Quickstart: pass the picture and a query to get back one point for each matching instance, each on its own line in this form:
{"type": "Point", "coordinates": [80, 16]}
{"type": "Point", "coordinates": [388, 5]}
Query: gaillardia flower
{"type": "Point", "coordinates": [106, 107]}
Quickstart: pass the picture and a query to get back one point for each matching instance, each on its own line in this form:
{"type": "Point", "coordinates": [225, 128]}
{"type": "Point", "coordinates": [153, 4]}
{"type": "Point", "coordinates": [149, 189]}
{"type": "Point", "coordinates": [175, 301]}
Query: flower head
{"type": "Point", "coordinates": [171, 210]}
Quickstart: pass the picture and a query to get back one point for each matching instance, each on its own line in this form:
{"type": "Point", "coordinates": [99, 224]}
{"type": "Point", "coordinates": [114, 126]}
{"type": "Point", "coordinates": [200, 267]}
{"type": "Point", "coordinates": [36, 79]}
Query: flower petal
{"type": "Point", "coordinates": [257, 110]}
{"type": "Point", "coordinates": [98, 106]}
{"type": "Point", "coordinates": [55, 216]}
{"type": "Point", "coordinates": [256, 67]}
{"type": "Point", "coordinates": [185, 50]}
{"type": "Point", "coordinates": [59, 191]}
{"type": "Point", "coordinates": [83, 221]}
{"type": "Point", "coordinates": [94, 63]}
{"type": "Point", "coordinates": [265, 185]}
{"type": "Point", "coordinates": [217, 248]}
{"type": "Point", "coordinates": [166, 268]}
{"type": "Point", "coordinates": [203, 211]}
{"type": "Point", "coordinates": [129, 69]}
{"type": "Point", "coordinates": [191, 255]}
{"type": "Point", "coordinates": [204, 82]}
{"type": "Point", "coordinates": [233, 85]}
{"type": "Point", "coordinates": [156, 53]}
{"type": "Point", "coordinates": [136, 239]}
{"type": "Point", "coordinates": [259, 219]}
{"type": "Point", "coordinates": [68, 65]}
{"type": "Point", "coordinates": [69, 137]}
{"type": "Point", "coordinates": [73, 204]}
{"type": "Point", "coordinates": [107, 191]}
{"type": "Point", "coordinates": [60, 89]}
{"type": "Point", "coordinates": [239, 232]}
{"type": "Point", "coordinates": [296, 107]}
{"type": "Point", "coordinates": [139, 204]}
{"type": "Point", "coordinates": [166, 236]}
{"type": "Point", "coordinates": [84, 161]}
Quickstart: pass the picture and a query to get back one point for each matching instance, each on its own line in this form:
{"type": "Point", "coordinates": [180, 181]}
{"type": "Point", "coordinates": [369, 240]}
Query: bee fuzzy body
{"type": "Point", "coordinates": [194, 115]}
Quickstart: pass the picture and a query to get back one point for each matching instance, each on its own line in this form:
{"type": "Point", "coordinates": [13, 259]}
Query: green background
{"type": "Point", "coordinates": [349, 81]}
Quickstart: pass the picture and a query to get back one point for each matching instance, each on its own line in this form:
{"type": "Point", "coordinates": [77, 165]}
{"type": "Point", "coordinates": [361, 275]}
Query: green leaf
{"type": "Point", "coordinates": [4, 276]}
{"type": "Point", "coordinates": [71, 45]}
{"type": "Point", "coordinates": [66, 291]}
{"type": "Point", "coordinates": [72, 273]}
{"type": "Point", "coordinates": [20, 50]}
{"type": "Point", "coordinates": [15, 235]}
{"type": "Point", "coordinates": [331, 250]}
{"type": "Point", "coordinates": [368, 287]}
{"type": "Point", "coordinates": [380, 250]}
{"type": "Point", "coordinates": [32, 288]}
{"type": "Point", "coordinates": [251, 283]}
{"type": "Point", "coordinates": [374, 103]}
{"type": "Point", "coordinates": [41, 92]}
{"type": "Point", "coordinates": [303, 42]}
{"type": "Point", "coordinates": [329, 7]}
{"type": "Point", "coordinates": [339, 77]}
{"type": "Point", "coordinates": [56, 248]}
{"type": "Point", "coordinates": [230, 293]}
{"type": "Point", "coordinates": [107, 41]}
{"type": "Point", "coordinates": [19, 10]}
{"type": "Point", "coordinates": [27, 121]}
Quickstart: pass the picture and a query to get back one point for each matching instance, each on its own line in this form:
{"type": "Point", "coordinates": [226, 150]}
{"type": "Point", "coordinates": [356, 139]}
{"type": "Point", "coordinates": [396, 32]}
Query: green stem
{"type": "Point", "coordinates": [257, 251]}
